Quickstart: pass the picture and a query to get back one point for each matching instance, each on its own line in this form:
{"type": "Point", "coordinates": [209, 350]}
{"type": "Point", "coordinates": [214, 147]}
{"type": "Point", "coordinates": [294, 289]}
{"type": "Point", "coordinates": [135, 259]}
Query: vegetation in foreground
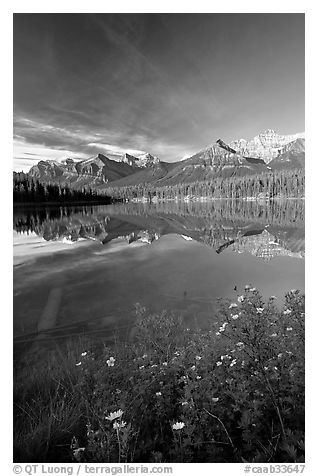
{"type": "Point", "coordinates": [231, 393]}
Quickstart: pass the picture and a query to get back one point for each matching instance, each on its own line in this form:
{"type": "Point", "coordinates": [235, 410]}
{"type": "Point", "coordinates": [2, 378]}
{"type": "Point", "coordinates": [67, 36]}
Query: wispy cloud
{"type": "Point", "coordinates": [115, 150]}
{"type": "Point", "coordinates": [26, 155]}
{"type": "Point", "coordinates": [166, 84]}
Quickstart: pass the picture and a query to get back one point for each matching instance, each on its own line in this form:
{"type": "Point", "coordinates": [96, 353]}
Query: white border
{"type": "Point", "coordinates": [199, 6]}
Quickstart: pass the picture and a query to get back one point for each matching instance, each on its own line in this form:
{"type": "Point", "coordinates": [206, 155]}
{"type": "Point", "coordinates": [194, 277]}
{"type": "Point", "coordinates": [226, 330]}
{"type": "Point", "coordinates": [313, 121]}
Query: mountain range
{"type": "Point", "coordinates": [267, 151]}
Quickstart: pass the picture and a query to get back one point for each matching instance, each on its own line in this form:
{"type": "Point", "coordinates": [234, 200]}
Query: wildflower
{"type": "Point", "coordinates": [240, 345]}
{"type": "Point", "coordinates": [235, 316]}
{"type": "Point", "coordinates": [259, 310]}
{"type": "Point", "coordinates": [154, 365]}
{"type": "Point", "coordinates": [119, 424]}
{"type": "Point", "coordinates": [247, 287]}
{"type": "Point", "coordinates": [198, 357]}
{"type": "Point", "coordinates": [177, 353]}
{"type": "Point", "coordinates": [240, 298]}
{"type": "Point", "coordinates": [243, 363]}
{"type": "Point", "coordinates": [232, 305]}
{"type": "Point", "coordinates": [164, 364]}
{"type": "Point", "coordinates": [222, 328]}
{"type": "Point", "coordinates": [158, 394]}
{"type": "Point", "coordinates": [215, 399]}
{"type": "Point", "coordinates": [144, 356]}
{"type": "Point", "coordinates": [289, 329]}
{"type": "Point", "coordinates": [198, 377]}
{"type": "Point", "coordinates": [77, 453]}
{"type": "Point", "coordinates": [265, 368]}
{"type": "Point", "coordinates": [275, 368]}
{"type": "Point", "coordinates": [141, 367]}
{"type": "Point", "coordinates": [110, 362]}
{"type": "Point", "coordinates": [224, 357]}
{"type": "Point", "coordinates": [113, 415]}
{"type": "Point", "coordinates": [287, 311]}
{"type": "Point", "coordinates": [184, 403]}
{"type": "Point", "coordinates": [218, 364]}
{"type": "Point", "coordinates": [83, 354]}
{"type": "Point", "coordinates": [193, 367]}
{"type": "Point", "coordinates": [273, 335]}
{"type": "Point", "coordinates": [78, 364]}
{"type": "Point", "coordinates": [178, 425]}
{"type": "Point", "coordinates": [280, 355]}
{"type": "Point", "coordinates": [233, 363]}
{"type": "Point", "coordinates": [218, 333]}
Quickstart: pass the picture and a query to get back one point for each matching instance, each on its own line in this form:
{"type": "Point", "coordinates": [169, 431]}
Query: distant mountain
{"type": "Point", "coordinates": [214, 161]}
{"type": "Point", "coordinates": [268, 150]}
{"type": "Point", "coordinates": [89, 172]}
{"type": "Point", "coordinates": [147, 160]}
{"type": "Point", "coordinates": [291, 156]}
{"type": "Point", "coordinates": [266, 145]}
{"type": "Point", "coordinates": [141, 161]}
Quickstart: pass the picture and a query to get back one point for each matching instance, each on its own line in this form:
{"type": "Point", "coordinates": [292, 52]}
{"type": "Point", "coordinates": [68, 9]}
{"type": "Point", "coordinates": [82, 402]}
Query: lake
{"type": "Point", "coordinates": [82, 269]}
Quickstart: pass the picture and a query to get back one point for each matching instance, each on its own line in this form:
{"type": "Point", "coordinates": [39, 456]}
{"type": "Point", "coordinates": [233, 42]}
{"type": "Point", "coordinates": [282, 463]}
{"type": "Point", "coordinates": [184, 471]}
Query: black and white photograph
{"type": "Point", "coordinates": [158, 239]}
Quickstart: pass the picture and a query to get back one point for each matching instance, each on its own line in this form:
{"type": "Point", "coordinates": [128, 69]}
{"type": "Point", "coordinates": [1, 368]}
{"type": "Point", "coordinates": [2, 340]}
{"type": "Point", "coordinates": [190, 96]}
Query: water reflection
{"type": "Point", "coordinates": [175, 256]}
{"type": "Point", "coordinates": [263, 230]}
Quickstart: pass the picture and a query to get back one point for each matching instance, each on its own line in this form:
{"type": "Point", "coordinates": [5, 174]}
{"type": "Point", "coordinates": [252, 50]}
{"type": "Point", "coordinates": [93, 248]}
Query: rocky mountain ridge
{"type": "Point", "coordinates": [267, 145]}
{"type": "Point", "coordinates": [267, 151]}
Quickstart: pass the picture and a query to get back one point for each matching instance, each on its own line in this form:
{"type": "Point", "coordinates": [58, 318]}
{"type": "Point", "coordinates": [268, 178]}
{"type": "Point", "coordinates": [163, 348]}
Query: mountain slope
{"type": "Point", "coordinates": [93, 171]}
{"type": "Point", "coordinates": [214, 161]}
{"type": "Point", "coordinates": [145, 175]}
{"type": "Point", "coordinates": [292, 156]}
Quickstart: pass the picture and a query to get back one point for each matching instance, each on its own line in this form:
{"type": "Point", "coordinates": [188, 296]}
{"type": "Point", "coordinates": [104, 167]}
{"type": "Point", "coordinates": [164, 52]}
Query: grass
{"type": "Point", "coordinates": [231, 393]}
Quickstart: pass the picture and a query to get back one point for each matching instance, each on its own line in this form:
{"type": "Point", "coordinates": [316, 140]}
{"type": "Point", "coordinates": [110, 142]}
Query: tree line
{"type": "Point", "coordinates": [278, 184]}
{"type": "Point", "coordinates": [29, 190]}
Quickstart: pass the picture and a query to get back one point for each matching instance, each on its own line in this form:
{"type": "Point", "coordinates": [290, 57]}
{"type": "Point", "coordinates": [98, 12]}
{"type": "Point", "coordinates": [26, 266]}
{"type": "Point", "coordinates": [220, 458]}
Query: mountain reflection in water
{"type": "Point", "coordinates": [174, 256]}
{"type": "Point", "coordinates": [275, 229]}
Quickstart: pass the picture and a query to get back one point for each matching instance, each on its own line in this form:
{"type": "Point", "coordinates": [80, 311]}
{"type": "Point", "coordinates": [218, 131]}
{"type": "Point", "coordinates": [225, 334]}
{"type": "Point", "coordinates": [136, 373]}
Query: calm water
{"type": "Point", "coordinates": [83, 269]}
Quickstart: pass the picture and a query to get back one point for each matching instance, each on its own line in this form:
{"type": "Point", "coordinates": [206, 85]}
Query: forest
{"type": "Point", "coordinates": [278, 184]}
{"type": "Point", "coordinates": [29, 190]}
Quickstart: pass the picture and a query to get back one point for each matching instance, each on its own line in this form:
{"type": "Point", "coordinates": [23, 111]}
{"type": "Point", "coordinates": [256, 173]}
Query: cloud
{"type": "Point", "coordinates": [35, 139]}
{"type": "Point", "coordinates": [115, 150]}
{"type": "Point", "coordinates": [26, 155]}
{"type": "Point", "coordinates": [161, 83]}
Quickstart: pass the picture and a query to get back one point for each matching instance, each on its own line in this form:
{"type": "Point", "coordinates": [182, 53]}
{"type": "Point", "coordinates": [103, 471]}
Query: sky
{"type": "Point", "coordinates": [168, 84]}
